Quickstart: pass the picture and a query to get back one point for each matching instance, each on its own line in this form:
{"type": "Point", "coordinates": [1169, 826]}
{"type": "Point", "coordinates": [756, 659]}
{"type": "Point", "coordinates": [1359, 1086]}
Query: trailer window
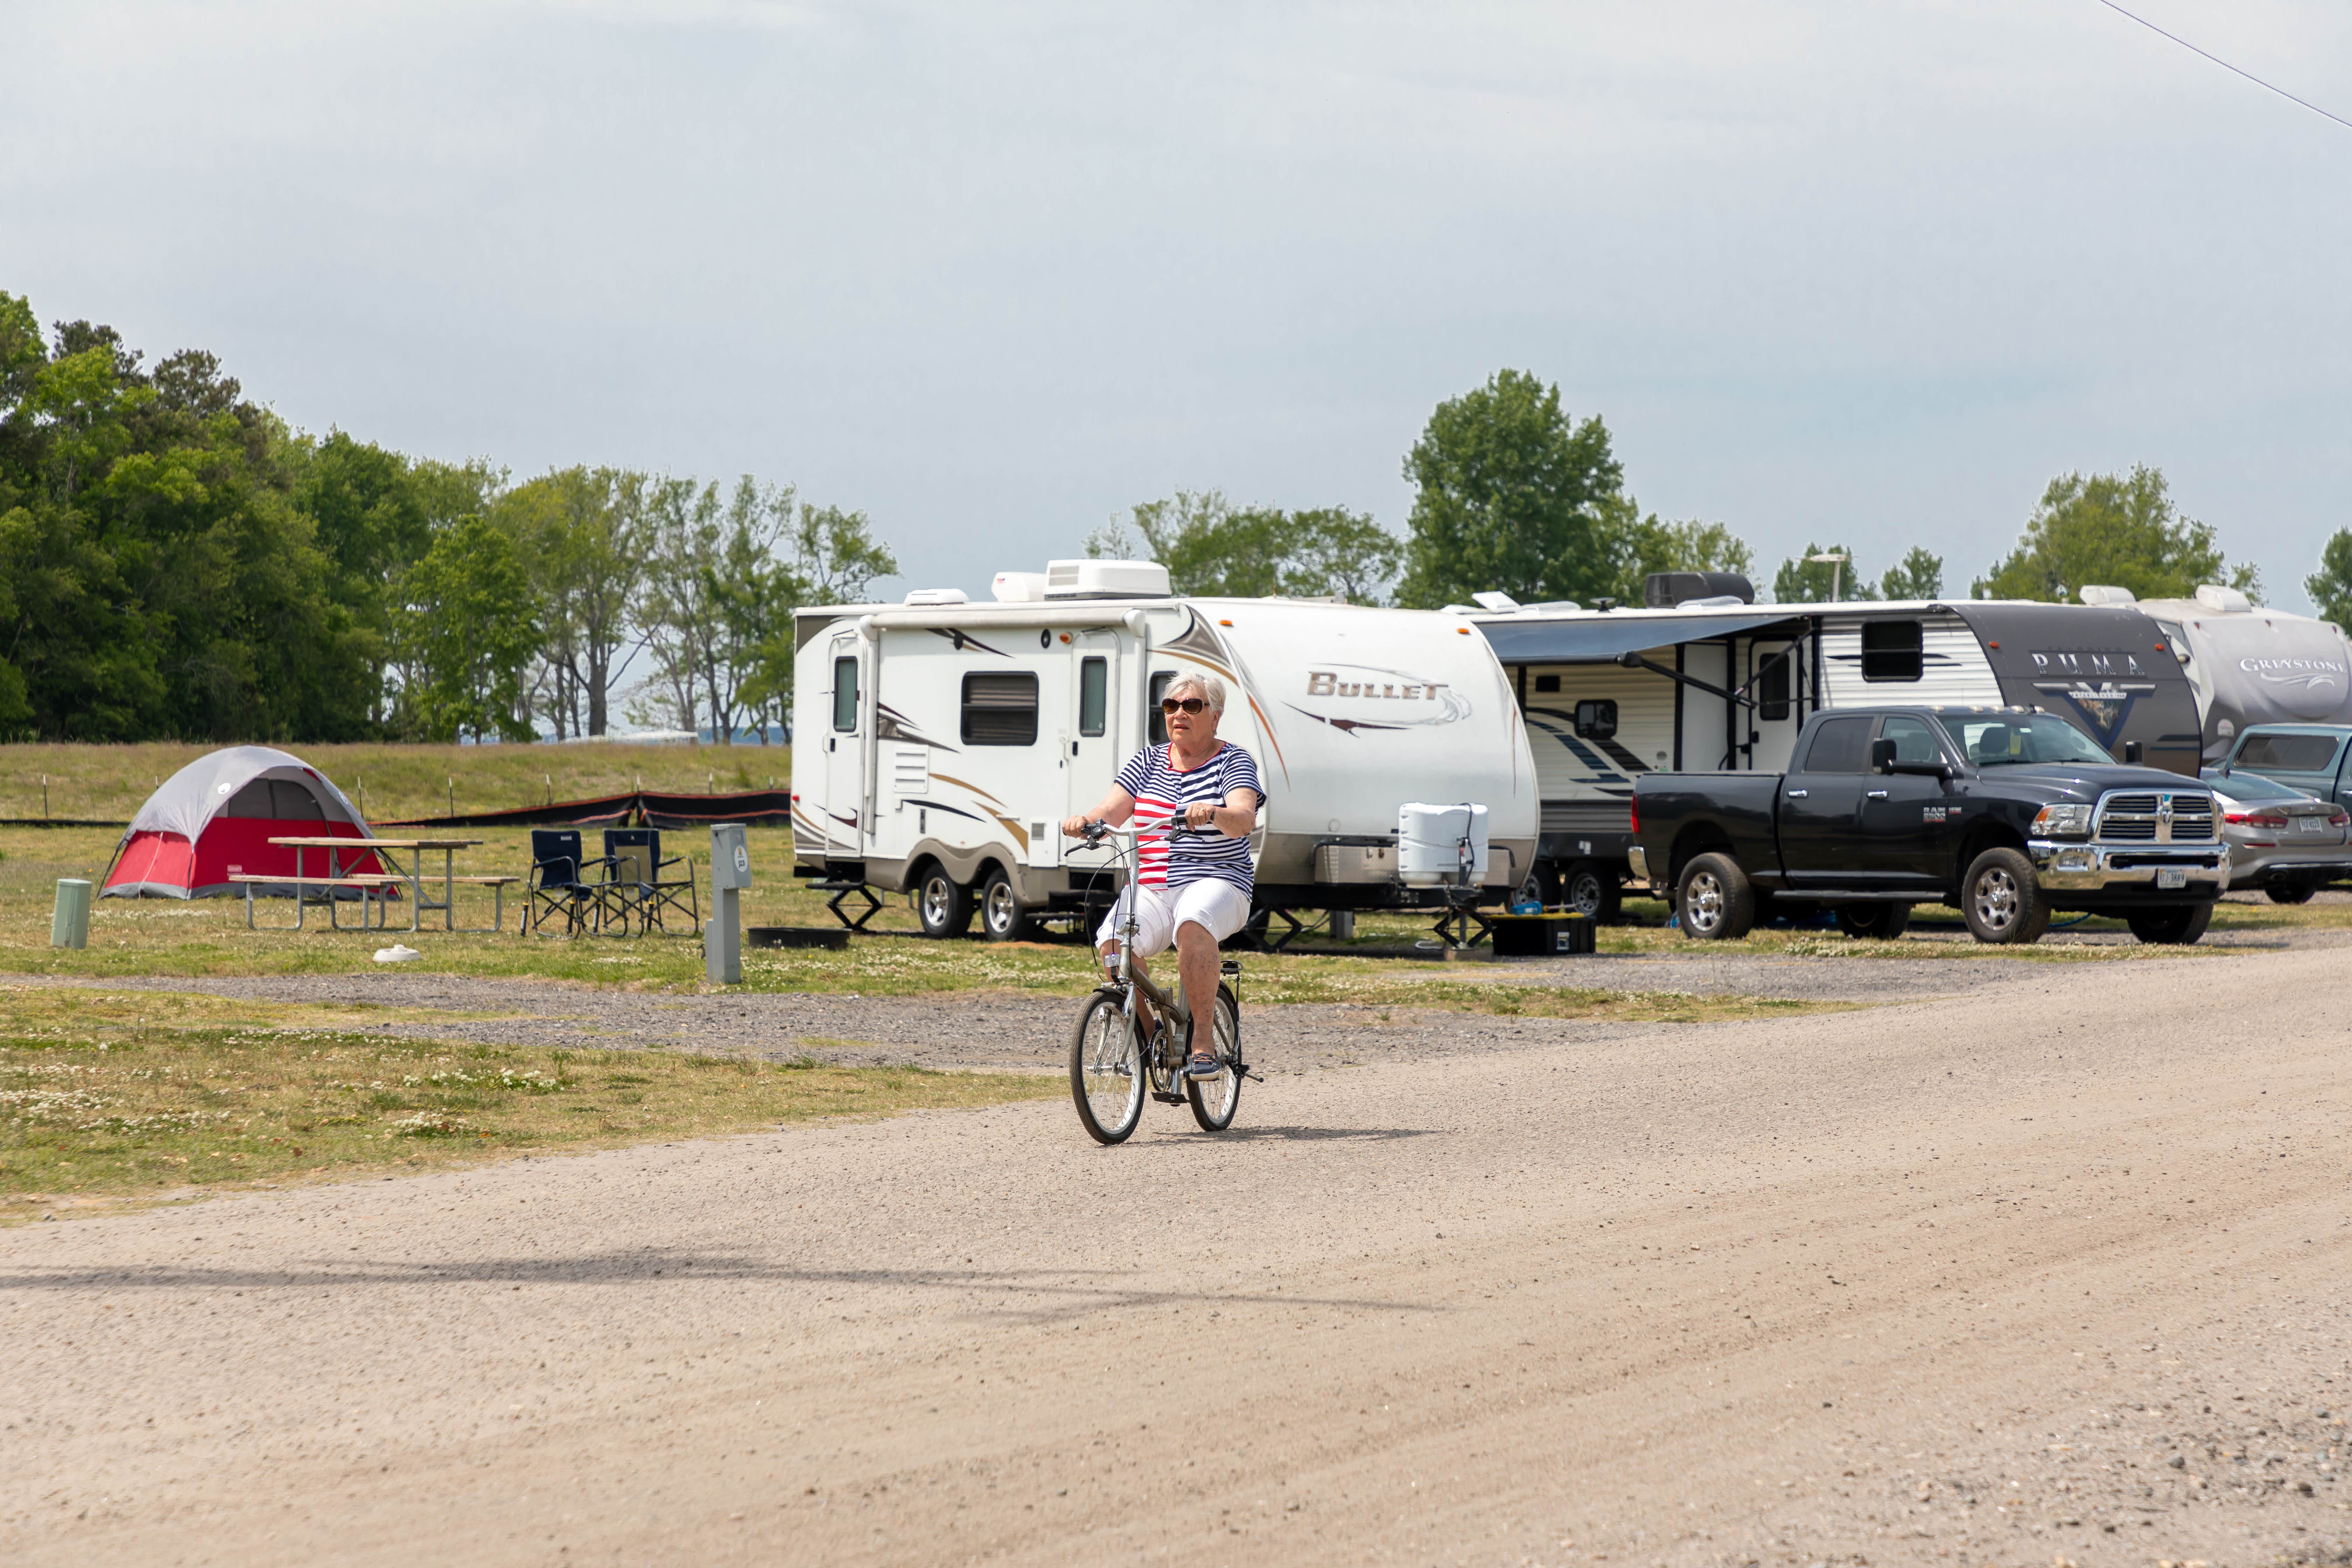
{"type": "Point", "coordinates": [1001, 710]}
{"type": "Point", "coordinates": [1548, 685]}
{"type": "Point", "coordinates": [1890, 650]}
{"type": "Point", "coordinates": [1093, 694]}
{"type": "Point", "coordinates": [1840, 746]}
{"type": "Point", "coordinates": [1159, 684]}
{"type": "Point", "coordinates": [845, 694]}
{"type": "Point", "coordinates": [1772, 684]}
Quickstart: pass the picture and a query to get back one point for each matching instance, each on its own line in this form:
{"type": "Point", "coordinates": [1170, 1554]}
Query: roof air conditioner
{"type": "Point", "coordinates": [1105, 580]}
{"type": "Point", "coordinates": [1663, 590]}
{"type": "Point", "coordinates": [2105, 593]}
{"type": "Point", "coordinates": [938, 597]}
{"type": "Point", "coordinates": [2224, 600]}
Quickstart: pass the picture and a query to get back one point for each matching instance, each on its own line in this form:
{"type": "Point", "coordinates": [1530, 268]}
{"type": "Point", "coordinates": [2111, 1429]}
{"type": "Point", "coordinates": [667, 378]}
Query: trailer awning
{"type": "Point", "coordinates": [1590, 639]}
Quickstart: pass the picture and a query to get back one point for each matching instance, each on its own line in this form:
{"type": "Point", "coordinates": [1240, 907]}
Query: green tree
{"type": "Point", "coordinates": [2330, 587]}
{"type": "Point", "coordinates": [1804, 581]}
{"type": "Point", "coordinates": [1919, 575]}
{"type": "Point", "coordinates": [1214, 549]}
{"type": "Point", "coordinates": [1647, 545]}
{"type": "Point", "coordinates": [835, 559]}
{"type": "Point", "coordinates": [2119, 529]}
{"type": "Point", "coordinates": [465, 629]}
{"type": "Point", "coordinates": [1511, 494]}
{"type": "Point", "coordinates": [578, 532]}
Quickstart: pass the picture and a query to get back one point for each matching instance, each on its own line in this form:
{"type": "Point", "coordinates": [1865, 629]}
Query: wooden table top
{"type": "Point", "coordinates": [379, 843]}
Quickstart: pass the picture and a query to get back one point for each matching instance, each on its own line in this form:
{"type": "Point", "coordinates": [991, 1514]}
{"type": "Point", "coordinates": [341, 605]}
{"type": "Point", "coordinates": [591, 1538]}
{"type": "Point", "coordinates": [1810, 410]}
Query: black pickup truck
{"type": "Point", "coordinates": [2008, 812]}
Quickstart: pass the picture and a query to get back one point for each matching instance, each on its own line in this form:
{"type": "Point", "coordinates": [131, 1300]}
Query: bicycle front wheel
{"type": "Point", "coordinates": [1214, 1099]}
{"type": "Point", "coordinates": [1106, 1069]}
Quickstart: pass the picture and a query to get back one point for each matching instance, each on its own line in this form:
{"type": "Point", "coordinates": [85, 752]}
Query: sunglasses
{"type": "Point", "coordinates": [1181, 705]}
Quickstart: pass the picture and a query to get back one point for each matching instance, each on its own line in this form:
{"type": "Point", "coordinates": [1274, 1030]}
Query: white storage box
{"type": "Point", "coordinates": [1429, 843]}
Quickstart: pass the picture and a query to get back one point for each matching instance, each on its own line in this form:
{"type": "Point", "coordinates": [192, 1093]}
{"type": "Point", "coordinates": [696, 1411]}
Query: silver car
{"type": "Point", "coordinates": [2288, 844]}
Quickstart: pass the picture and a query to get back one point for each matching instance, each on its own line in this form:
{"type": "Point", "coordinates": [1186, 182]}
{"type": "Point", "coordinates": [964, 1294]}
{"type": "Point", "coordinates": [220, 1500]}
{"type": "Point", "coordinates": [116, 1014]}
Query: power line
{"type": "Point", "coordinates": [2226, 66]}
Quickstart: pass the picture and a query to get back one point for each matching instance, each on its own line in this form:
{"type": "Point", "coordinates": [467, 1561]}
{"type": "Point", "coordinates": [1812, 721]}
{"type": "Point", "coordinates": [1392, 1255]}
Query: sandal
{"type": "Point", "coordinates": [1202, 1065]}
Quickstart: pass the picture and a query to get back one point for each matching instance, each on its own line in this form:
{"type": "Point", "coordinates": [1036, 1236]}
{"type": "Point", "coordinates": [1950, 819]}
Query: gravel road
{"type": "Point", "coordinates": [2048, 1265]}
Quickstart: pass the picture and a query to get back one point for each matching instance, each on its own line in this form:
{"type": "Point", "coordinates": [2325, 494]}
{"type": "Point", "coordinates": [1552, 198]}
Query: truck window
{"type": "Point", "coordinates": [1093, 694]}
{"type": "Point", "coordinates": [1915, 740]}
{"type": "Point", "coordinates": [1840, 746]}
{"type": "Point", "coordinates": [845, 694]}
{"type": "Point", "coordinates": [2296, 754]}
{"type": "Point", "coordinates": [1890, 650]}
{"type": "Point", "coordinates": [1001, 708]}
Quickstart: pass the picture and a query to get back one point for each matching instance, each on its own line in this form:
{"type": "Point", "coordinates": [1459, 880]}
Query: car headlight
{"type": "Point", "coordinates": [2063, 822]}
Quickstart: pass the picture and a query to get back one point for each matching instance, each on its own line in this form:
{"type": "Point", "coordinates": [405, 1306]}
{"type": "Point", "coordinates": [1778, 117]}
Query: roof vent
{"type": "Point", "coordinates": [2224, 600]}
{"type": "Point", "coordinates": [1496, 601]}
{"type": "Point", "coordinates": [1663, 590]}
{"type": "Point", "coordinates": [1105, 580]}
{"type": "Point", "coordinates": [1018, 587]}
{"type": "Point", "coordinates": [938, 597]}
{"type": "Point", "coordinates": [2105, 593]}
{"type": "Point", "coordinates": [1713, 601]}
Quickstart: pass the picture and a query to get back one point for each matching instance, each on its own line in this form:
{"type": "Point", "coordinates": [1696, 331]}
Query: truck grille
{"type": "Point", "coordinates": [2156, 819]}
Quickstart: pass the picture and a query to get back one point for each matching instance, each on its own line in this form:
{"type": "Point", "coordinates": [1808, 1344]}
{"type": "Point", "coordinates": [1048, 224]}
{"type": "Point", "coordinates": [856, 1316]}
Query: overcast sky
{"type": "Point", "coordinates": [1864, 271]}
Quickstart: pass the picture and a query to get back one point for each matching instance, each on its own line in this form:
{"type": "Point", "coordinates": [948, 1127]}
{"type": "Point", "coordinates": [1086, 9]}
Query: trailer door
{"type": "Point", "coordinates": [844, 752]}
{"type": "Point", "coordinates": [1090, 739]}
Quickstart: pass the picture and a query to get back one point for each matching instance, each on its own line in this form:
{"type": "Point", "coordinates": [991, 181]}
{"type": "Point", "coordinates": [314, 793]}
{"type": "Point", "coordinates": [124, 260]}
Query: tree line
{"type": "Point", "coordinates": [1513, 493]}
{"type": "Point", "coordinates": [176, 561]}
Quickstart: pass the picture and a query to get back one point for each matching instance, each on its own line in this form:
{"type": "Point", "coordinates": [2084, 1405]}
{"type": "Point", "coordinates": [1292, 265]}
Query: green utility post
{"type": "Point", "coordinates": [69, 926]}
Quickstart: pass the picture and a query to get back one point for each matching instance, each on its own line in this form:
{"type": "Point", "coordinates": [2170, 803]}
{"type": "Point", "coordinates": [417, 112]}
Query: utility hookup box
{"type": "Point", "coordinates": [730, 874]}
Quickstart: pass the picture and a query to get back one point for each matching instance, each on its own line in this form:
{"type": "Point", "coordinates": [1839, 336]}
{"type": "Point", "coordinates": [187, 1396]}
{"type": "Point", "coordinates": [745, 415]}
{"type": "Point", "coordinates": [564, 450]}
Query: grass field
{"type": "Point", "coordinates": [137, 1095]}
{"type": "Point", "coordinates": [130, 937]}
{"type": "Point", "coordinates": [107, 784]}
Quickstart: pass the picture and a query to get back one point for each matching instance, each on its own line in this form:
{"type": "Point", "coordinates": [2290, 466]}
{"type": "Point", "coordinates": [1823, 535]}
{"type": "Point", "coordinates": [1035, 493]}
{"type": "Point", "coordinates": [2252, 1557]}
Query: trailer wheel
{"type": "Point", "coordinates": [1716, 899]}
{"type": "Point", "coordinates": [1591, 887]}
{"type": "Point", "coordinates": [1873, 922]}
{"type": "Point", "coordinates": [1002, 918]}
{"type": "Point", "coordinates": [942, 904]}
{"type": "Point", "coordinates": [2001, 900]}
{"type": "Point", "coordinates": [2179, 926]}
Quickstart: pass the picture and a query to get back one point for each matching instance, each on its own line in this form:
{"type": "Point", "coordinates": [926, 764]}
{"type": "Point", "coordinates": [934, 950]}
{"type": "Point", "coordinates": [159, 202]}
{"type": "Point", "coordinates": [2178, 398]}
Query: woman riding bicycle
{"type": "Point", "coordinates": [1193, 888]}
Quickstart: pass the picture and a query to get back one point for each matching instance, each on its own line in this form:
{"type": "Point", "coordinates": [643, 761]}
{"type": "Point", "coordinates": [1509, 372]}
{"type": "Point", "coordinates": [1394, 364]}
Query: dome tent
{"type": "Point", "coordinates": [215, 818]}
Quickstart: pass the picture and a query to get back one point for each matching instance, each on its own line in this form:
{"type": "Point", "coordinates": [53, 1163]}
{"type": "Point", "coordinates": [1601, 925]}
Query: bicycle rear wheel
{"type": "Point", "coordinates": [1214, 1099]}
{"type": "Point", "coordinates": [1106, 1069]}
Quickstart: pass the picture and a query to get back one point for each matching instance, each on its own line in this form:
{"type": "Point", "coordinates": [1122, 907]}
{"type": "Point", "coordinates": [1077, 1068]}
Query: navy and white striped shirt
{"type": "Point", "coordinates": [1162, 791]}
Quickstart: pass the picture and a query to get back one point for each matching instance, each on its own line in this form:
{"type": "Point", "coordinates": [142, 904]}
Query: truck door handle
{"type": "Point", "coordinates": [1799, 793]}
{"type": "Point", "coordinates": [1878, 795]}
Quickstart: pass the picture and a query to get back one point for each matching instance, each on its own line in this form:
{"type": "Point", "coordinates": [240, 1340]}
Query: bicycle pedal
{"type": "Point", "coordinates": [1167, 1098]}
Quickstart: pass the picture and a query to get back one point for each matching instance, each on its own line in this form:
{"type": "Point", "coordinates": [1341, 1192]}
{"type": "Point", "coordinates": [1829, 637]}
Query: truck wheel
{"type": "Point", "coordinates": [1589, 887]}
{"type": "Point", "coordinates": [2291, 890]}
{"type": "Point", "coordinates": [1873, 922]}
{"type": "Point", "coordinates": [2001, 900]}
{"type": "Point", "coordinates": [942, 904]}
{"type": "Point", "coordinates": [2179, 926]}
{"type": "Point", "coordinates": [1716, 899]}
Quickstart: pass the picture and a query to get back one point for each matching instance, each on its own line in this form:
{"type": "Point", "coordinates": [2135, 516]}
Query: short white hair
{"type": "Point", "coordinates": [1212, 689]}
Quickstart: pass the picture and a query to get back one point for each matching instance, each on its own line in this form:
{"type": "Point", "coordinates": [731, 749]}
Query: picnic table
{"type": "Point", "coordinates": [378, 886]}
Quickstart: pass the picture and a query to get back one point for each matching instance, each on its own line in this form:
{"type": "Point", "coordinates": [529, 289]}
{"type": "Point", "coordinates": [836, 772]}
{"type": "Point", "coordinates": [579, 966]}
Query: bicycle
{"type": "Point", "coordinates": [1112, 1067]}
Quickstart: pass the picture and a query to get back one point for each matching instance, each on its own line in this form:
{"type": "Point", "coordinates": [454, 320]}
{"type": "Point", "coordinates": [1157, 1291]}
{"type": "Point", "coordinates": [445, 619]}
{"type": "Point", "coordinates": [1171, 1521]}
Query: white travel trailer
{"type": "Point", "coordinates": [938, 743]}
{"type": "Point", "coordinates": [1705, 678]}
{"type": "Point", "coordinates": [2246, 664]}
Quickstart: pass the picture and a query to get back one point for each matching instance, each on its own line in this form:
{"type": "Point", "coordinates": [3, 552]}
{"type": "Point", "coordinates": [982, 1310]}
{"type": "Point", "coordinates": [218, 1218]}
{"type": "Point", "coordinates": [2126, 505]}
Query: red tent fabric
{"type": "Point", "coordinates": [213, 819]}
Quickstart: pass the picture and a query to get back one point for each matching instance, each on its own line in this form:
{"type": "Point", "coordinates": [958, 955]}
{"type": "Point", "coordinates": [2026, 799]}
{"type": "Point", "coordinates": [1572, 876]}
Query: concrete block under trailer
{"type": "Point", "coordinates": [1611, 696]}
{"type": "Point", "coordinates": [938, 747]}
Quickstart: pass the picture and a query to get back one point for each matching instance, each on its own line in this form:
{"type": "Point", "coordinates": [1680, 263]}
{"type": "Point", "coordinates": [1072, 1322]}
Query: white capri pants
{"type": "Point", "coordinates": [1218, 907]}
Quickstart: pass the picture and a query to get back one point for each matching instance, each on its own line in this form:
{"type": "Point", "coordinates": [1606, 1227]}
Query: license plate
{"type": "Point", "coordinates": [2310, 824]}
{"type": "Point", "coordinates": [2172, 878]}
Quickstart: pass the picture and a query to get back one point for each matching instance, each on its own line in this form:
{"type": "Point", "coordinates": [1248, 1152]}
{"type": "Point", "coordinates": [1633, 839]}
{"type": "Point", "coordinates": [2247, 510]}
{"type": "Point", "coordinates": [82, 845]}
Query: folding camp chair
{"type": "Point", "coordinates": [638, 886]}
{"type": "Point", "coordinates": [559, 888]}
